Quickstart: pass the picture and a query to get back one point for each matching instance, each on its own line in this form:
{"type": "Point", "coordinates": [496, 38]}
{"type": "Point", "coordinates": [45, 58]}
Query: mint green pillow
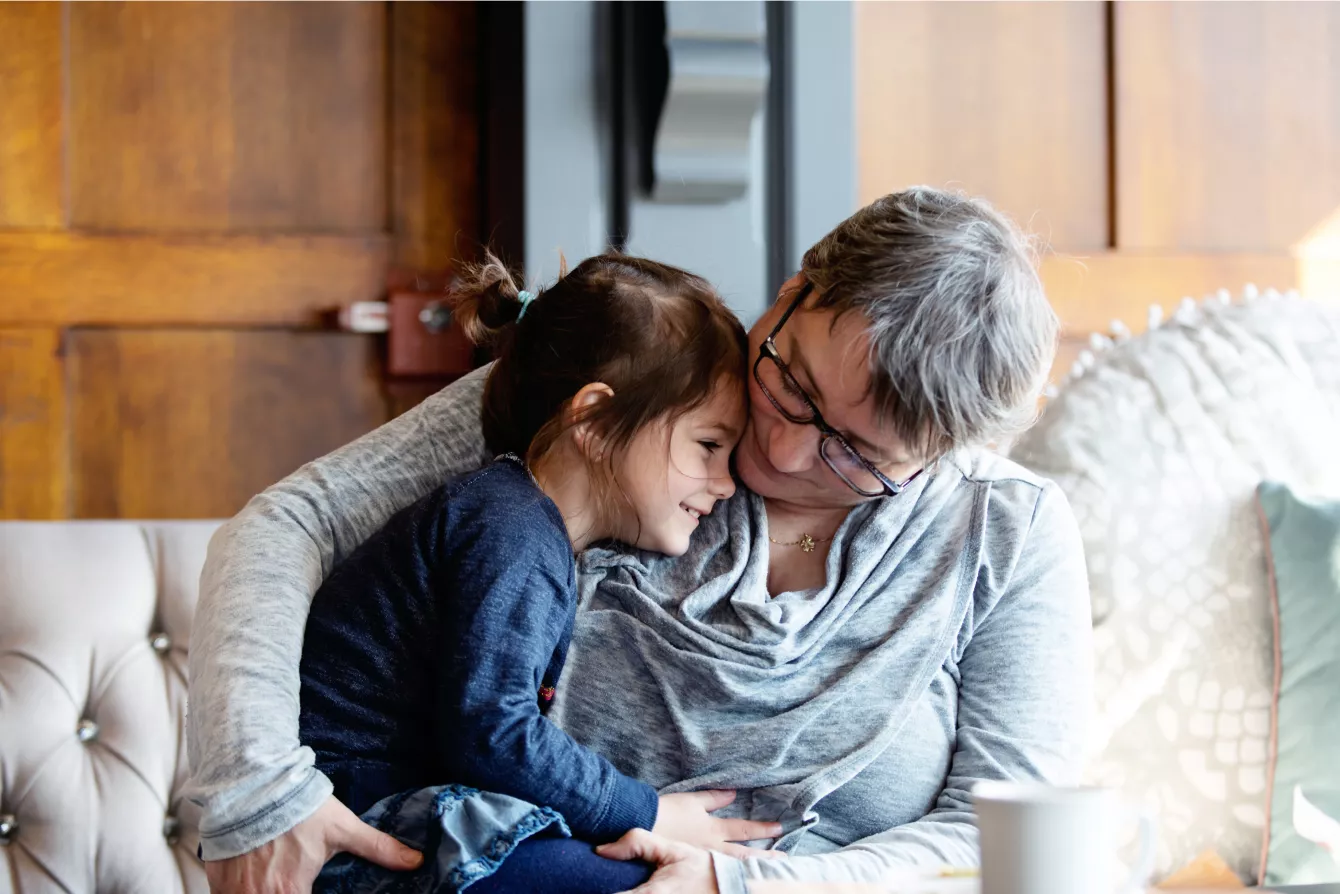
{"type": "Point", "coordinates": [1304, 553]}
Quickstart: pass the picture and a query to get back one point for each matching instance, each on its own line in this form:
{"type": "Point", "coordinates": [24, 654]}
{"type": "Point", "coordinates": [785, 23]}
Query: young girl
{"type": "Point", "coordinates": [431, 652]}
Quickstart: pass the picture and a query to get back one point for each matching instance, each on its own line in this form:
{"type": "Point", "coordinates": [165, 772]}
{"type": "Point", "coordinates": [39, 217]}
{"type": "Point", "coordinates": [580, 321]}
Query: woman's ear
{"type": "Point", "coordinates": [584, 403]}
{"type": "Point", "coordinates": [790, 288]}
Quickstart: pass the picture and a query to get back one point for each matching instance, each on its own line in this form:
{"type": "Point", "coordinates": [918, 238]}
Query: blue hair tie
{"type": "Point", "coordinates": [525, 298]}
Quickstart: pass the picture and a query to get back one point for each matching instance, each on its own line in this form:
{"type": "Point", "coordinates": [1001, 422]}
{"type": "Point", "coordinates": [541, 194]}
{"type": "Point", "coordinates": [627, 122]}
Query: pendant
{"type": "Point", "coordinates": [806, 543]}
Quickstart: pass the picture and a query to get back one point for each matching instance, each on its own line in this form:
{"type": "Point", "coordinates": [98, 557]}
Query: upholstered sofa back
{"type": "Point", "coordinates": [1159, 442]}
{"type": "Point", "coordinates": [95, 619]}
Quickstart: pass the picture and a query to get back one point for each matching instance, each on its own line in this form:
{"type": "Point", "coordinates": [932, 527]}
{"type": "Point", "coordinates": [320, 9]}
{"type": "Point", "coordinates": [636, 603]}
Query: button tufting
{"type": "Point", "coordinates": [87, 730]}
{"type": "Point", "coordinates": [160, 643]}
{"type": "Point", "coordinates": [171, 829]}
{"type": "Point", "coordinates": [9, 827]}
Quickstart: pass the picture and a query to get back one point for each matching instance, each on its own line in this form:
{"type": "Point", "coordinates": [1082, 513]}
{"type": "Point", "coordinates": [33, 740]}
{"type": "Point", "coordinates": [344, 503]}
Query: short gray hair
{"type": "Point", "coordinates": [961, 334]}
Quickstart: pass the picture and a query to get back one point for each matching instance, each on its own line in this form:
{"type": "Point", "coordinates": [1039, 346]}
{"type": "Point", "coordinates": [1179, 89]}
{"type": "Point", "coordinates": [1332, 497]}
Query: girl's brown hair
{"type": "Point", "coordinates": [660, 337]}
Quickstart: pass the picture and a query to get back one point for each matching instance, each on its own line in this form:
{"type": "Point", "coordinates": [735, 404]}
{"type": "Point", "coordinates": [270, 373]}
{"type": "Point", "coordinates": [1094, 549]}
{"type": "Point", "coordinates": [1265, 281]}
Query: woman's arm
{"type": "Point", "coordinates": [1023, 711]}
{"type": "Point", "coordinates": [250, 776]}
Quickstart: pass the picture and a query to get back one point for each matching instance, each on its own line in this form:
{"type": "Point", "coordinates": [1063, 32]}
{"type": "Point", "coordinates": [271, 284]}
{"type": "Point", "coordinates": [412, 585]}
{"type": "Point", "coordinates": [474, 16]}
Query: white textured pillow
{"type": "Point", "coordinates": [1159, 445]}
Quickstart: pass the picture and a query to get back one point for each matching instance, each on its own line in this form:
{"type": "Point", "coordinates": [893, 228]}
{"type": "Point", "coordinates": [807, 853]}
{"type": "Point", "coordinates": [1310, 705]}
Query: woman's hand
{"type": "Point", "coordinates": [681, 868]}
{"type": "Point", "coordinates": [687, 817]}
{"type": "Point", "coordinates": [290, 863]}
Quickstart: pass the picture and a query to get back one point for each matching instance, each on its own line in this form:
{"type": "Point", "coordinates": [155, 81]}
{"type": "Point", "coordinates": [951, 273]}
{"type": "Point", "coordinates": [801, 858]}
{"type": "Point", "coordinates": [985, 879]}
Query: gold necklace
{"type": "Point", "coordinates": [806, 542]}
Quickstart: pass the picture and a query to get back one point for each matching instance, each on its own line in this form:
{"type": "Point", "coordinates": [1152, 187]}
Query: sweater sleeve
{"type": "Point", "coordinates": [250, 776]}
{"type": "Point", "coordinates": [512, 604]}
{"type": "Point", "coordinates": [1024, 703]}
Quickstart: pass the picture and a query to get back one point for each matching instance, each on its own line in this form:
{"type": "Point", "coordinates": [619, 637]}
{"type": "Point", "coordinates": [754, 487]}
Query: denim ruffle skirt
{"type": "Point", "coordinates": [464, 834]}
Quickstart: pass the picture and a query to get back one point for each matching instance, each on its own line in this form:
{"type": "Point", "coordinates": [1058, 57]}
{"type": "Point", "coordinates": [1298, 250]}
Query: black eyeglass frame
{"type": "Point", "coordinates": [768, 351]}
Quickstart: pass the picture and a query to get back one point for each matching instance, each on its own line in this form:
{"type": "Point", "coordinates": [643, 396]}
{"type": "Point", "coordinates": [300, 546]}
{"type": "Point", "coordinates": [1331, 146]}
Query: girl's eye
{"type": "Point", "coordinates": [712, 446]}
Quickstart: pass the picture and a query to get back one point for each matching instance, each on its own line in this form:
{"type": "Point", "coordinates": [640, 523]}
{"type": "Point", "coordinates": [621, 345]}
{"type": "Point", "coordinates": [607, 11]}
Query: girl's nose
{"type": "Point", "coordinates": [723, 488]}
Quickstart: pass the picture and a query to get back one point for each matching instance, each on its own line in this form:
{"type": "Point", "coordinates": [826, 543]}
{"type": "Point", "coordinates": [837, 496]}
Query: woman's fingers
{"type": "Point", "coordinates": [345, 831]}
{"type": "Point", "coordinates": [639, 844]}
{"type": "Point", "coordinates": [376, 846]}
{"type": "Point", "coordinates": [714, 799]}
{"type": "Point", "coordinates": [746, 830]}
{"type": "Point", "coordinates": [290, 862]}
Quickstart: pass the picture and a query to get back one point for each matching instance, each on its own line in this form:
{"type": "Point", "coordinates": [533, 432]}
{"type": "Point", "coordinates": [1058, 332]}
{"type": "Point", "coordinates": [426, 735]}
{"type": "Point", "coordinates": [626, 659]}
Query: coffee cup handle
{"type": "Point", "coordinates": [1144, 863]}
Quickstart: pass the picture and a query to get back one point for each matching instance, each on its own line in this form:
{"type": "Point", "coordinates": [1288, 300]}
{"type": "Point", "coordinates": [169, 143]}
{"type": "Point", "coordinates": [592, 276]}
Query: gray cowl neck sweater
{"type": "Point", "coordinates": [786, 698]}
{"type": "Point", "coordinates": [949, 644]}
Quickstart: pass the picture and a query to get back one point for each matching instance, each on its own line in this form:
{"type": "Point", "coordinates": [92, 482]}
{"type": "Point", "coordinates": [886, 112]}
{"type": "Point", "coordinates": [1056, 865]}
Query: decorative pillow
{"type": "Point", "coordinates": [1303, 541]}
{"type": "Point", "coordinates": [1159, 443]}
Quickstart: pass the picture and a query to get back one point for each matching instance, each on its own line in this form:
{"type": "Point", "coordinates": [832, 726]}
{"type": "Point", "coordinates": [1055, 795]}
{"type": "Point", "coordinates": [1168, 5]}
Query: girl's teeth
{"type": "Point", "coordinates": [693, 512]}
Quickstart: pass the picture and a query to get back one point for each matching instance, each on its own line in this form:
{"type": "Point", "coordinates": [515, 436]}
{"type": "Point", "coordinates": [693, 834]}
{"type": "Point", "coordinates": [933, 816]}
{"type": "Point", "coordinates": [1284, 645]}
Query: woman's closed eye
{"type": "Point", "coordinates": [792, 388]}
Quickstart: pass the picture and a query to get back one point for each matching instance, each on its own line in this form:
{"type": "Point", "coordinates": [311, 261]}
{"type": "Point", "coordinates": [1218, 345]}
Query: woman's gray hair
{"type": "Point", "coordinates": [961, 334]}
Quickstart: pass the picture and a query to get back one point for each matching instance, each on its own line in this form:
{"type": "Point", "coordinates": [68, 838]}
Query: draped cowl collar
{"type": "Point", "coordinates": [788, 697]}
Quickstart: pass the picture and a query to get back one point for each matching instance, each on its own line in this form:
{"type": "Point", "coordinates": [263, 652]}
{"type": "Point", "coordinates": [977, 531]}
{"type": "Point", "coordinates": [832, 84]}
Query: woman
{"type": "Point", "coordinates": [886, 616]}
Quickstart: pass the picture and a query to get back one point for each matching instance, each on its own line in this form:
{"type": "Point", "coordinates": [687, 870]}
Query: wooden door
{"type": "Point", "coordinates": [187, 191]}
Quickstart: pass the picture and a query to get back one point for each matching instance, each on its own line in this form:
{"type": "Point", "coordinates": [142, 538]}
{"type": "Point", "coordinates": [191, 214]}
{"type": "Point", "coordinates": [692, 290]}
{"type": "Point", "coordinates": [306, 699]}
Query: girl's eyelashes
{"type": "Point", "coordinates": [712, 446]}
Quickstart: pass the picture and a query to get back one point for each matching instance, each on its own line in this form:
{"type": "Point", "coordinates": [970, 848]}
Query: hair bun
{"type": "Point", "coordinates": [487, 300]}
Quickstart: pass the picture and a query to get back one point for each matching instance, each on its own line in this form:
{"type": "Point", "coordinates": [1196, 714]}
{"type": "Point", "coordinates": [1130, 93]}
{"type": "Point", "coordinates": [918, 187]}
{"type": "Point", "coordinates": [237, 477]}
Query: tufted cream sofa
{"type": "Point", "coordinates": [95, 618]}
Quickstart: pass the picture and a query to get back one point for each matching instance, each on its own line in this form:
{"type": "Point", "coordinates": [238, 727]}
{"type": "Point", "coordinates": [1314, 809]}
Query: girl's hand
{"type": "Point", "coordinates": [682, 868]}
{"type": "Point", "coordinates": [687, 817]}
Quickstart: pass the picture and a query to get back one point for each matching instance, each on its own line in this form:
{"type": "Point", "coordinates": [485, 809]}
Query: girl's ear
{"type": "Point", "coordinates": [584, 403]}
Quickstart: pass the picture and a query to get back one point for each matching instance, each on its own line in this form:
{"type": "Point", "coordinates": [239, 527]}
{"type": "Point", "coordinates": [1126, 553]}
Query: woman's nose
{"type": "Point", "coordinates": [792, 447]}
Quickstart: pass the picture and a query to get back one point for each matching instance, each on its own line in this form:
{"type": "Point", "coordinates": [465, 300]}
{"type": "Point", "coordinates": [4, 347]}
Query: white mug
{"type": "Point", "coordinates": [1040, 839]}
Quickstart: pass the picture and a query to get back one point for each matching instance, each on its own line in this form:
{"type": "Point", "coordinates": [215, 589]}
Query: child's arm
{"type": "Point", "coordinates": [511, 603]}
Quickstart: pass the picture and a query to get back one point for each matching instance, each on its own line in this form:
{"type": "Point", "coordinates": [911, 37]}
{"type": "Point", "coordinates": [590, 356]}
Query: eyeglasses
{"type": "Point", "coordinates": [781, 388]}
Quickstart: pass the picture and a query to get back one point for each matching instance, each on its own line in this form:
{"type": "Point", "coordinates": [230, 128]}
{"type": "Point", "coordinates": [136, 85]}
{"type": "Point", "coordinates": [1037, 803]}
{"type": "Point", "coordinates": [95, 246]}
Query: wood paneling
{"type": "Point", "coordinates": [1228, 124]}
{"type": "Point", "coordinates": [434, 112]}
{"type": "Point", "coordinates": [1066, 353]}
{"type": "Point", "coordinates": [177, 183]}
{"type": "Point", "coordinates": [191, 424]}
{"type": "Point", "coordinates": [1004, 100]}
{"type": "Point", "coordinates": [1089, 292]}
{"type": "Point", "coordinates": [31, 116]}
{"type": "Point", "coordinates": [32, 425]}
{"type": "Point", "coordinates": [60, 278]}
{"type": "Point", "coordinates": [228, 116]}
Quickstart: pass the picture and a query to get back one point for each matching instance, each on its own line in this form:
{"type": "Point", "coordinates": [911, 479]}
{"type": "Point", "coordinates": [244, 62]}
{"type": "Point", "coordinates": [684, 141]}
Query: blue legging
{"type": "Point", "coordinates": [544, 865]}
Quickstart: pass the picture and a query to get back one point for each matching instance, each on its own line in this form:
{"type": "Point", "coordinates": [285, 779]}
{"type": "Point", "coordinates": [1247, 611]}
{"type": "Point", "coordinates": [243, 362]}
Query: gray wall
{"type": "Point", "coordinates": [565, 203]}
{"type": "Point", "coordinates": [823, 120]}
{"type": "Point", "coordinates": [565, 183]}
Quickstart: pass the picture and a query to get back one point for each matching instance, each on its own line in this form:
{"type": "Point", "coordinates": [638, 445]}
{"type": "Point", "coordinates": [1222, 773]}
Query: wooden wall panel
{"type": "Point", "coordinates": [228, 116]}
{"type": "Point", "coordinates": [1228, 124]}
{"type": "Point", "coordinates": [176, 182]}
{"type": "Point", "coordinates": [191, 424]}
{"type": "Point", "coordinates": [1067, 352]}
{"type": "Point", "coordinates": [1004, 100]}
{"type": "Point", "coordinates": [435, 208]}
{"type": "Point", "coordinates": [62, 278]}
{"type": "Point", "coordinates": [32, 182]}
{"type": "Point", "coordinates": [1089, 292]}
{"type": "Point", "coordinates": [32, 425]}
